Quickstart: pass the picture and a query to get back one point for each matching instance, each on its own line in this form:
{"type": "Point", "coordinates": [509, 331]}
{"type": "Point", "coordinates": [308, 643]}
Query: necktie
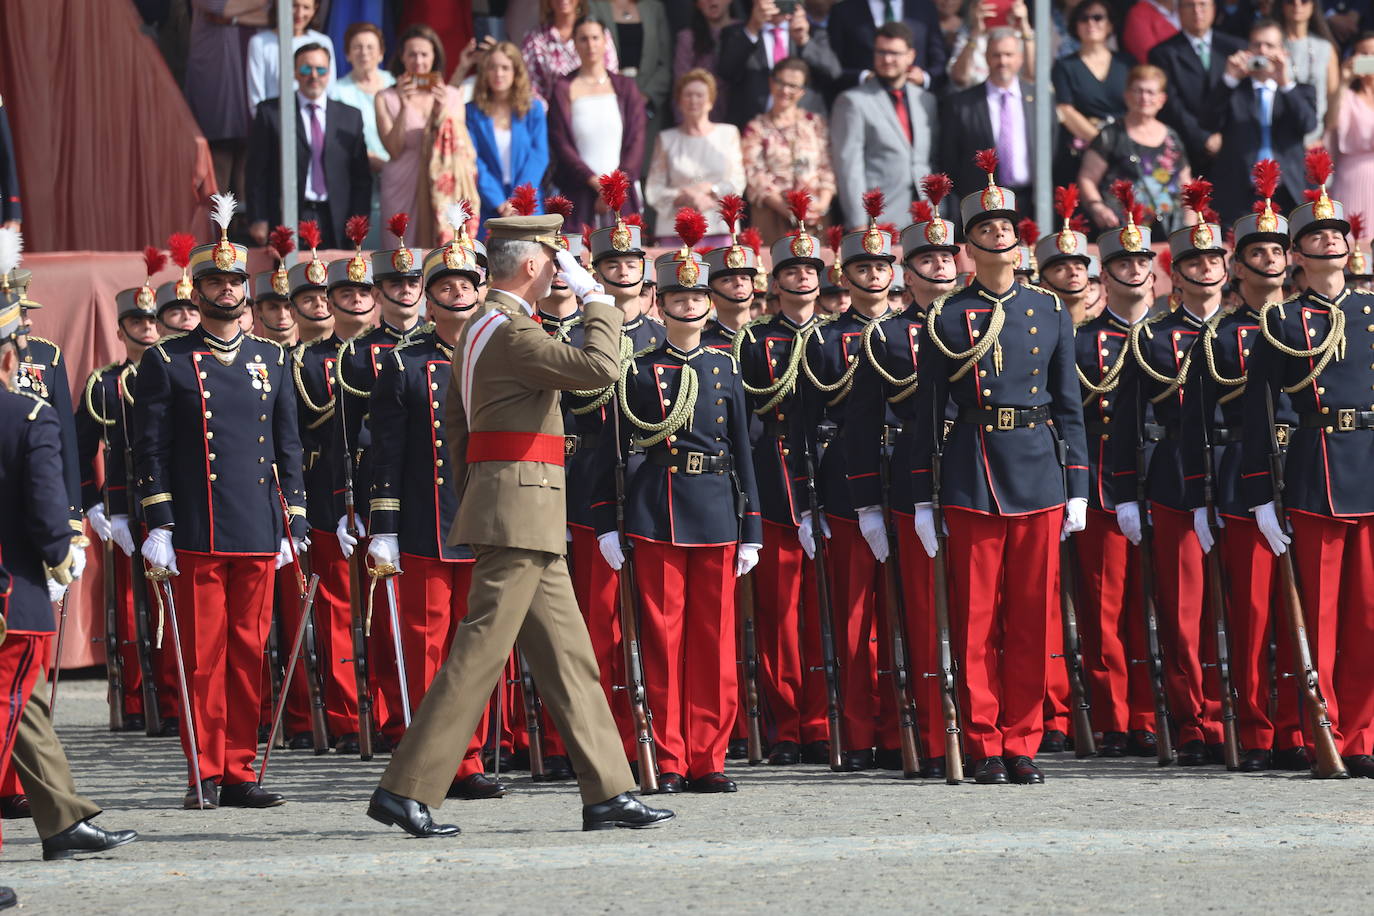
{"type": "Point", "coordinates": [903, 116]}
{"type": "Point", "coordinates": [1266, 114]}
{"type": "Point", "coordinates": [317, 154]}
{"type": "Point", "coordinates": [887, 12]}
{"type": "Point", "coordinates": [1006, 147]}
{"type": "Point", "coordinates": [779, 44]}
{"type": "Point", "coordinates": [1204, 54]}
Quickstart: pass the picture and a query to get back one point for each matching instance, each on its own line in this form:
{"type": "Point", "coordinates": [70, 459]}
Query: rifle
{"type": "Point", "coordinates": [357, 625]}
{"type": "Point", "coordinates": [830, 663]}
{"type": "Point", "coordinates": [753, 716]}
{"type": "Point", "coordinates": [1083, 743]}
{"type": "Point", "coordinates": [1217, 591]}
{"type": "Point", "coordinates": [949, 691]}
{"type": "Point", "coordinates": [1329, 764]}
{"type": "Point", "coordinates": [274, 668]}
{"type": "Point", "coordinates": [534, 726]}
{"type": "Point", "coordinates": [1163, 741]}
{"type": "Point", "coordinates": [114, 659]}
{"type": "Point", "coordinates": [895, 610]}
{"type": "Point", "coordinates": [138, 582]}
{"type": "Point", "coordinates": [629, 630]}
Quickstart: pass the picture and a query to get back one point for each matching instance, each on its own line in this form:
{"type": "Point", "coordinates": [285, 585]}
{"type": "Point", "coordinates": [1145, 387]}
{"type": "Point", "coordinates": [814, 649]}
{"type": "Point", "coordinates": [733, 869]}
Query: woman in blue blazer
{"type": "Point", "coordinates": [507, 125]}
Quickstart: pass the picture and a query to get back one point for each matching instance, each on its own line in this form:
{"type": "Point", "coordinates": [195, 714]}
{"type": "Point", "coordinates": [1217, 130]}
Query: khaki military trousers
{"type": "Point", "coordinates": [525, 595]}
{"type": "Point", "coordinates": [45, 774]}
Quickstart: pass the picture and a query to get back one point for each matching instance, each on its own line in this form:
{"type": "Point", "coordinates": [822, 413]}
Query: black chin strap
{"type": "Point", "coordinates": [735, 300]}
{"type": "Point", "coordinates": [1065, 292]}
{"type": "Point", "coordinates": [701, 317]}
{"type": "Point", "coordinates": [394, 301]}
{"type": "Point", "coordinates": [312, 319]}
{"type": "Point", "coordinates": [1012, 247]}
{"type": "Point", "coordinates": [455, 308]}
{"type": "Point", "coordinates": [798, 292]}
{"type": "Point", "coordinates": [1107, 268]}
{"type": "Point", "coordinates": [1261, 273]}
{"type": "Point", "coordinates": [1326, 257]}
{"type": "Point", "coordinates": [1202, 284]}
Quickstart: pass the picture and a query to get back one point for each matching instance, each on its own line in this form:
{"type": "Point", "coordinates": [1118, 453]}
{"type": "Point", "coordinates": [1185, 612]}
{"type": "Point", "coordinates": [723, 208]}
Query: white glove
{"type": "Point", "coordinates": [284, 552]}
{"type": "Point", "coordinates": [1128, 520]}
{"type": "Point", "coordinates": [1075, 517]}
{"type": "Point", "coordinates": [874, 530]}
{"type": "Point", "coordinates": [746, 558]}
{"type": "Point", "coordinates": [925, 529]}
{"type": "Point", "coordinates": [157, 550]}
{"type": "Point", "coordinates": [1272, 528]}
{"type": "Point", "coordinates": [99, 523]}
{"type": "Point", "coordinates": [78, 561]}
{"type": "Point", "coordinates": [1203, 530]}
{"type": "Point", "coordinates": [346, 539]}
{"type": "Point", "coordinates": [807, 536]}
{"type": "Point", "coordinates": [385, 550]}
{"type": "Point", "coordinates": [56, 591]}
{"type": "Point", "coordinates": [610, 544]}
{"type": "Point", "coordinates": [119, 530]}
{"type": "Point", "coordinates": [579, 280]}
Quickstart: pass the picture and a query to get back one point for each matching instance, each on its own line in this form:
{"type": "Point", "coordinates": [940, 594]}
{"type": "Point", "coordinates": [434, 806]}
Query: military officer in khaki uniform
{"type": "Point", "coordinates": [505, 433]}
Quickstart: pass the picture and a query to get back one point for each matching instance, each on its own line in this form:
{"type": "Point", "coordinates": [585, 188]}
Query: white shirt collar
{"type": "Point", "coordinates": [303, 103]}
{"type": "Point", "coordinates": [1204, 39]}
{"type": "Point", "coordinates": [1271, 85]}
{"type": "Point", "coordinates": [995, 90]}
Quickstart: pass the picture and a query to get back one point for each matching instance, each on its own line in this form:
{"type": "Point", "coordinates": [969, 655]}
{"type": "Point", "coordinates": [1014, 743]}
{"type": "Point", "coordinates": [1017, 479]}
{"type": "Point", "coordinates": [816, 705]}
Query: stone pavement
{"type": "Point", "coordinates": [1100, 835]}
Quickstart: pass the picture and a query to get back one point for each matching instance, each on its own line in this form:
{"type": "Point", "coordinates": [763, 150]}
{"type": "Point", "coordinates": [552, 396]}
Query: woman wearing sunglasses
{"type": "Point", "coordinates": [1089, 85]}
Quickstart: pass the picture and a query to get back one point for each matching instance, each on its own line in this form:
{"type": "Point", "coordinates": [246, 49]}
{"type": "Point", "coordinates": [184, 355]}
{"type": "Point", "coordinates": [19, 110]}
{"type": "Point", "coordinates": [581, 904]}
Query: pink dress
{"type": "Point", "coordinates": [1352, 149]}
{"type": "Point", "coordinates": [400, 175]}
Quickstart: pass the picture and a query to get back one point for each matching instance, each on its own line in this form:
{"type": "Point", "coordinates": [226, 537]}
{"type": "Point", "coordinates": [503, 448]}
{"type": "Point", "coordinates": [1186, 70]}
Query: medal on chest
{"type": "Point", "coordinates": [257, 374]}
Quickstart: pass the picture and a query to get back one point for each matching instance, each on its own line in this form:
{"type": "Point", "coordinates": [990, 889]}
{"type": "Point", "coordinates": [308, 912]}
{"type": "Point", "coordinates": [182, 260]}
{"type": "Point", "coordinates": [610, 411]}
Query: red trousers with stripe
{"type": "Point", "coordinates": [1335, 566]}
{"type": "Point", "coordinates": [857, 589]}
{"type": "Point", "coordinates": [788, 636]}
{"type": "Point", "coordinates": [595, 584]}
{"type": "Point", "coordinates": [1003, 577]}
{"type": "Point", "coordinates": [22, 657]}
{"type": "Point", "coordinates": [223, 607]}
{"type": "Point", "coordinates": [333, 632]}
{"type": "Point", "coordinates": [1111, 627]}
{"type": "Point", "coordinates": [687, 637]}
{"type": "Point", "coordinates": [922, 639]}
{"type": "Point", "coordinates": [1181, 582]}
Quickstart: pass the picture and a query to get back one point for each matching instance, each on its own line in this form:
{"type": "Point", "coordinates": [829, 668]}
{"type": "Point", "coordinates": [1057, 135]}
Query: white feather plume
{"type": "Point", "coordinates": [457, 214]}
{"type": "Point", "coordinates": [11, 246]}
{"type": "Point", "coordinates": [222, 207]}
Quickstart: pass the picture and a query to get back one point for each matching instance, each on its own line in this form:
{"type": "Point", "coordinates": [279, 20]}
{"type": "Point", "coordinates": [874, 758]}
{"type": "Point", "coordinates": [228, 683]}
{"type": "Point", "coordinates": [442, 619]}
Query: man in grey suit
{"type": "Point", "coordinates": [882, 132]}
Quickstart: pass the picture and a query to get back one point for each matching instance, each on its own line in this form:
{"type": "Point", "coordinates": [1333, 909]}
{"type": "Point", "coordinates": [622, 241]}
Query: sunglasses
{"type": "Point", "coordinates": [1093, 17]}
{"type": "Point", "coordinates": [307, 70]}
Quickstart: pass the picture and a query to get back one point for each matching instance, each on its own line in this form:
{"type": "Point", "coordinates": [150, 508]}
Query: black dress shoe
{"type": "Point", "coordinates": [1291, 758]}
{"type": "Point", "coordinates": [15, 808]}
{"type": "Point", "coordinates": [383, 743]}
{"type": "Point", "coordinates": [932, 768]}
{"type": "Point", "coordinates": [855, 761]}
{"type": "Point", "coordinates": [171, 728]}
{"type": "Point", "coordinates": [1216, 753]}
{"type": "Point", "coordinates": [556, 769]}
{"type": "Point", "coordinates": [1142, 743]}
{"type": "Point", "coordinates": [83, 836]}
{"type": "Point", "coordinates": [1360, 765]}
{"type": "Point", "coordinates": [1255, 761]}
{"type": "Point", "coordinates": [301, 742]}
{"type": "Point", "coordinates": [248, 795]}
{"type": "Point", "coordinates": [489, 759]}
{"type": "Point", "coordinates": [1194, 754]}
{"type": "Point", "coordinates": [8, 898]}
{"type": "Point", "coordinates": [406, 813]}
{"type": "Point", "coordinates": [348, 744]}
{"type": "Point", "coordinates": [737, 749]}
{"type": "Point", "coordinates": [134, 723]}
{"type": "Point", "coordinates": [519, 760]}
{"type": "Point", "coordinates": [712, 782]}
{"type": "Point", "coordinates": [671, 783]}
{"type": "Point", "coordinates": [623, 811]}
{"type": "Point", "coordinates": [784, 754]}
{"type": "Point", "coordinates": [991, 771]}
{"type": "Point", "coordinates": [888, 758]}
{"type": "Point", "coordinates": [1113, 744]}
{"type": "Point", "coordinates": [209, 790]}
{"type": "Point", "coordinates": [816, 752]}
{"type": "Point", "coordinates": [1053, 742]}
{"type": "Point", "coordinates": [475, 787]}
{"type": "Point", "coordinates": [1024, 772]}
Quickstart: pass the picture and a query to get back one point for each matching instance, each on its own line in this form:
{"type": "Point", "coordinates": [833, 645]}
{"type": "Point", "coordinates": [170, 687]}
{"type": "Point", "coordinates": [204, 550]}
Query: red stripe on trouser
{"type": "Point", "coordinates": [687, 637]}
{"type": "Point", "coordinates": [433, 598]}
{"type": "Point", "coordinates": [224, 606]}
{"type": "Point", "coordinates": [1335, 560]}
{"type": "Point", "coordinates": [1003, 576]}
{"type": "Point", "coordinates": [789, 640]}
{"type": "Point", "coordinates": [1056, 706]}
{"type": "Point", "coordinates": [1111, 627]}
{"type": "Point", "coordinates": [1256, 605]}
{"type": "Point", "coordinates": [334, 633]}
{"type": "Point", "coordinates": [21, 662]}
{"type": "Point", "coordinates": [855, 576]}
{"type": "Point", "coordinates": [1180, 582]}
{"type": "Point", "coordinates": [296, 720]}
{"type": "Point", "coordinates": [922, 639]}
{"type": "Point", "coordinates": [594, 584]}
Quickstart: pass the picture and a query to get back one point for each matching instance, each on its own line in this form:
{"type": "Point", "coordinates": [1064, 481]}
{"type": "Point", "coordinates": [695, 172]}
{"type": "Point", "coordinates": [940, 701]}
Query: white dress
{"type": "Point", "coordinates": [598, 131]}
{"type": "Point", "coordinates": [680, 160]}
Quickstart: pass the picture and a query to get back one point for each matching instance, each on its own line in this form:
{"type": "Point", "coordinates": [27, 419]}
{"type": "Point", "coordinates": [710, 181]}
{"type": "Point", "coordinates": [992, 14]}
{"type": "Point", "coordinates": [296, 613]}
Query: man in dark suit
{"type": "Point", "coordinates": [750, 50]}
{"type": "Point", "coordinates": [333, 178]}
{"type": "Point", "coordinates": [1193, 61]}
{"type": "Point", "coordinates": [967, 122]}
{"type": "Point", "coordinates": [1264, 114]}
{"type": "Point", "coordinates": [853, 26]}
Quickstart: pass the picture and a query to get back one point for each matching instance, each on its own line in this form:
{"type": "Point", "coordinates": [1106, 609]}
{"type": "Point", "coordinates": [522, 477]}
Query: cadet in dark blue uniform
{"type": "Point", "coordinates": [176, 310]}
{"type": "Point", "coordinates": [691, 508]}
{"type": "Point", "coordinates": [1003, 354]}
{"type": "Point", "coordinates": [732, 270]}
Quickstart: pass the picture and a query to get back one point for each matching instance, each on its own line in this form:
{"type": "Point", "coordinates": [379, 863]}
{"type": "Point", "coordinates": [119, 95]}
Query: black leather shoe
{"type": "Point", "coordinates": [1291, 758]}
{"type": "Point", "coordinates": [1053, 742]}
{"type": "Point", "coordinates": [248, 795]}
{"type": "Point", "coordinates": [888, 758]}
{"type": "Point", "coordinates": [1194, 754]}
{"type": "Point", "coordinates": [348, 744]}
{"type": "Point", "coordinates": [784, 754]}
{"type": "Point", "coordinates": [383, 744]}
{"type": "Point", "coordinates": [83, 836]}
{"type": "Point", "coordinates": [1142, 743]}
{"type": "Point", "coordinates": [408, 814]}
{"type": "Point", "coordinates": [932, 768]}
{"type": "Point", "coordinates": [1360, 765]}
{"type": "Point", "coordinates": [15, 808]}
{"type": "Point", "coordinates": [489, 760]}
{"type": "Point", "coordinates": [1255, 761]}
{"type": "Point", "coordinates": [712, 782]}
{"type": "Point", "coordinates": [855, 761]}
{"type": "Point", "coordinates": [134, 723]}
{"type": "Point", "coordinates": [556, 769]}
{"type": "Point", "coordinates": [519, 760]}
{"type": "Point", "coordinates": [171, 728]}
{"type": "Point", "coordinates": [623, 811]}
{"type": "Point", "coordinates": [1216, 753]}
{"type": "Point", "coordinates": [991, 771]}
{"type": "Point", "coordinates": [1024, 772]}
{"type": "Point", "coordinates": [8, 898]}
{"type": "Point", "coordinates": [209, 789]}
{"type": "Point", "coordinates": [738, 749]}
{"type": "Point", "coordinates": [301, 742]}
{"type": "Point", "coordinates": [671, 783]}
{"type": "Point", "coordinates": [1113, 744]}
{"type": "Point", "coordinates": [475, 787]}
{"type": "Point", "coordinates": [816, 752]}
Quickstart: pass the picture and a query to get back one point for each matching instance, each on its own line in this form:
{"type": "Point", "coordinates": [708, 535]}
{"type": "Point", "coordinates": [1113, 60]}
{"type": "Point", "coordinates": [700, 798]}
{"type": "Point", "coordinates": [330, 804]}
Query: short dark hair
{"type": "Point", "coordinates": [793, 63]}
{"type": "Point", "coordinates": [419, 30]}
{"type": "Point", "coordinates": [311, 46]}
{"type": "Point", "coordinates": [580, 21]}
{"type": "Point", "coordinates": [1080, 12]}
{"type": "Point", "coordinates": [360, 28]}
{"type": "Point", "coordinates": [899, 30]}
{"type": "Point", "coordinates": [1260, 25]}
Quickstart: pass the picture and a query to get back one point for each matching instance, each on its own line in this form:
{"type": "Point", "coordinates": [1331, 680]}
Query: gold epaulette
{"type": "Point", "coordinates": [1058, 305]}
{"type": "Point", "coordinates": [95, 378]}
{"type": "Point", "coordinates": [281, 351]}
{"type": "Point", "coordinates": [39, 403]}
{"type": "Point", "coordinates": [56, 350]}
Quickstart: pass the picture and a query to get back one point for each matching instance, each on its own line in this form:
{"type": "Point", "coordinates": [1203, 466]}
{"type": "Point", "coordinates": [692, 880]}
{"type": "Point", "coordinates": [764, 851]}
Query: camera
{"type": "Point", "coordinates": [1258, 63]}
{"type": "Point", "coordinates": [786, 7]}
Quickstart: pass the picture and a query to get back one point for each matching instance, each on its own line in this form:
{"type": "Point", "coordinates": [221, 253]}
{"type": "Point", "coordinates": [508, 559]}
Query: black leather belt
{"type": "Point", "coordinates": [691, 463]}
{"type": "Point", "coordinates": [1004, 418]}
{"type": "Point", "coordinates": [890, 434]}
{"type": "Point", "coordinates": [574, 444]}
{"type": "Point", "coordinates": [1157, 432]}
{"type": "Point", "coordinates": [1338, 420]}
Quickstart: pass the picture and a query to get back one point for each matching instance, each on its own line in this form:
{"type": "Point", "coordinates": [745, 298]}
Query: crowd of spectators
{"type": "Point", "coordinates": [697, 99]}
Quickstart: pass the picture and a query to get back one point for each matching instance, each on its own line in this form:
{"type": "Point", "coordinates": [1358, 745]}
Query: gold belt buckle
{"type": "Point", "coordinates": [696, 462]}
{"type": "Point", "coordinates": [1345, 419]}
{"type": "Point", "coordinates": [569, 446]}
{"type": "Point", "coordinates": [1281, 433]}
{"type": "Point", "coordinates": [1006, 418]}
